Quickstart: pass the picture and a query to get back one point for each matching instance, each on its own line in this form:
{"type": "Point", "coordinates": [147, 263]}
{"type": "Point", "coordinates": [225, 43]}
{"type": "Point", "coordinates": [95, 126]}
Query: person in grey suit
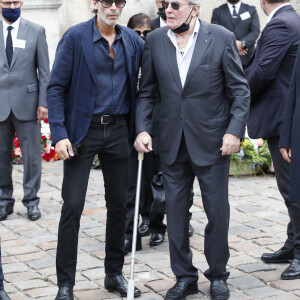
{"type": "Point", "coordinates": [24, 75]}
{"type": "Point", "coordinates": [193, 69]}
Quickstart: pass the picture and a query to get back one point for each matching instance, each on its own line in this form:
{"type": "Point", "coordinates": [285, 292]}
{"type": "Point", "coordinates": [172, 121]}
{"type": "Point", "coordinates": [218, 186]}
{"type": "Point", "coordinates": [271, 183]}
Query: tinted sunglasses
{"type": "Point", "coordinates": [145, 32]}
{"type": "Point", "coordinates": [109, 3]}
{"type": "Point", "coordinates": [174, 5]}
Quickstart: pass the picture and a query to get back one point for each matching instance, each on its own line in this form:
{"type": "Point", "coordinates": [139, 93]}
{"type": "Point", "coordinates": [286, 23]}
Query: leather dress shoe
{"type": "Point", "coordinates": [128, 244]}
{"type": "Point", "coordinates": [118, 284]}
{"type": "Point", "coordinates": [156, 239]}
{"type": "Point", "coordinates": [65, 292]}
{"type": "Point", "coordinates": [33, 212]}
{"type": "Point", "coordinates": [5, 210]}
{"type": "Point", "coordinates": [144, 227]}
{"type": "Point", "coordinates": [219, 290]}
{"type": "Point", "coordinates": [191, 230]}
{"type": "Point", "coordinates": [3, 296]}
{"type": "Point", "coordinates": [281, 256]}
{"type": "Point", "coordinates": [293, 271]}
{"type": "Point", "coordinates": [180, 290]}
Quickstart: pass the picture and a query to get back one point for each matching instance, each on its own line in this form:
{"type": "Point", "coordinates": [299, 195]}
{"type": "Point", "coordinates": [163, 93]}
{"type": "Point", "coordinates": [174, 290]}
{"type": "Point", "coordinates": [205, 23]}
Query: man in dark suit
{"type": "Point", "coordinates": [289, 140]}
{"type": "Point", "coordinates": [160, 21]}
{"type": "Point", "coordinates": [194, 70]}
{"type": "Point", "coordinates": [24, 75]}
{"type": "Point", "coordinates": [269, 74]}
{"type": "Point", "coordinates": [3, 295]}
{"type": "Point", "coordinates": [243, 21]}
{"type": "Point", "coordinates": [91, 100]}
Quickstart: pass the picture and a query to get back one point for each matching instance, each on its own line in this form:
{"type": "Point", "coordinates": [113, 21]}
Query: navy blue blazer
{"type": "Point", "coordinates": [71, 93]}
{"type": "Point", "coordinates": [270, 70]}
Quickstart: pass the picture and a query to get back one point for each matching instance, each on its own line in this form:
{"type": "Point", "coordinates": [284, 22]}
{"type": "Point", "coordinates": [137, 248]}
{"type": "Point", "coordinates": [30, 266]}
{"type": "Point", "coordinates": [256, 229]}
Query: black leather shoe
{"type": "Point", "coordinates": [144, 227]}
{"type": "Point", "coordinates": [180, 290]}
{"type": "Point", "coordinates": [128, 244]}
{"type": "Point", "coordinates": [3, 296]}
{"type": "Point", "coordinates": [118, 284]}
{"type": "Point", "coordinates": [156, 239]}
{"type": "Point", "coordinates": [281, 256]}
{"type": "Point", "coordinates": [219, 290]}
{"type": "Point", "coordinates": [33, 213]}
{"type": "Point", "coordinates": [191, 230]}
{"type": "Point", "coordinates": [5, 210]}
{"type": "Point", "coordinates": [293, 271]}
{"type": "Point", "coordinates": [65, 292]}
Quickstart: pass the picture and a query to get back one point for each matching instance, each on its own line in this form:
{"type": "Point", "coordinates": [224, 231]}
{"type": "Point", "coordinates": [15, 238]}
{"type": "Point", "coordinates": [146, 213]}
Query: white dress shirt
{"type": "Point", "coordinates": [237, 7]}
{"type": "Point", "coordinates": [274, 11]}
{"type": "Point", "coordinates": [162, 23]}
{"type": "Point", "coordinates": [184, 61]}
{"type": "Point", "coordinates": [14, 31]}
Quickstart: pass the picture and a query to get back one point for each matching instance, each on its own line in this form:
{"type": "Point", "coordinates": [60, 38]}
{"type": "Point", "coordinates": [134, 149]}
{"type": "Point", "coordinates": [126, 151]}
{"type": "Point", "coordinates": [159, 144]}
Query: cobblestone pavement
{"type": "Point", "coordinates": [258, 222]}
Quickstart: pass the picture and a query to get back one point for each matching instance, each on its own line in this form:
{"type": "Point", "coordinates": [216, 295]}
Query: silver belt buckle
{"type": "Point", "coordinates": [102, 120]}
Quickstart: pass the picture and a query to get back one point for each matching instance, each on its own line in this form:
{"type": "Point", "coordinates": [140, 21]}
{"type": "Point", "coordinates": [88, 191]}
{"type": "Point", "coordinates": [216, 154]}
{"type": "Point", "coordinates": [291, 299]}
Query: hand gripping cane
{"type": "Point", "coordinates": [130, 291]}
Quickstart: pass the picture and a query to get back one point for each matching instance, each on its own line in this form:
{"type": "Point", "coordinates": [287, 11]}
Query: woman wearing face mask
{"type": "Point", "coordinates": [141, 24]}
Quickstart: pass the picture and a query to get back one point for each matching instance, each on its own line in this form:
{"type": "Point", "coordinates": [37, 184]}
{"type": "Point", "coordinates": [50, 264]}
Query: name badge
{"type": "Point", "coordinates": [19, 43]}
{"type": "Point", "coordinates": [245, 16]}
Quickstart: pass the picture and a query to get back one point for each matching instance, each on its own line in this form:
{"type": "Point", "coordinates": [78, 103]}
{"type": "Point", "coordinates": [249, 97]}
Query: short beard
{"type": "Point", "coordinates": [101, 15]}
{"type": "Point", "coordinates": [233, 1]}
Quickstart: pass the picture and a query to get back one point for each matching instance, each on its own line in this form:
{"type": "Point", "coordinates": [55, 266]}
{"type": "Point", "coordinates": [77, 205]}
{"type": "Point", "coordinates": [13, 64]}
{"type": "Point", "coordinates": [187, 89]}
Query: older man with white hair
{"type": "Point", "coordinates": [203, 108]}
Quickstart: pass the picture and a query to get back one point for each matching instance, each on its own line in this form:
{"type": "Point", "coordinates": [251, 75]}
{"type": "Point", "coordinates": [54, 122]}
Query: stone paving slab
{"type": "Point", "coordinates": [258, 225]}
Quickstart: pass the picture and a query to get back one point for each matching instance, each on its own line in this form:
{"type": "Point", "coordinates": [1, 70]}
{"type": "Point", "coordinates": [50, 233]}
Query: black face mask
{"type": "Point", "coordinates": [233, 1]}
{"type": "Point", "coordinates": [184, 27]}
{"type": "Point", "coordinates": [162, 13]}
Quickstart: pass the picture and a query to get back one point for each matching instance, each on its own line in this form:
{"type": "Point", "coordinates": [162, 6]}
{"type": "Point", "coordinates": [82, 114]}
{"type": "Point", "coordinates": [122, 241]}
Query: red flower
{"type": "Point", "coordinates": [16, 142]}
{"type": "Point", "coordinates": [43, 138]}
{"type": "Point", "coordinates": [48, 156]}
{"type": "Point", "coordinates": [46, 120]}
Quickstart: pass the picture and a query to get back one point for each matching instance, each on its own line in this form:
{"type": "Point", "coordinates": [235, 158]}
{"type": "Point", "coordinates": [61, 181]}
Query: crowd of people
{"type": "Point", "coordinates": [188, 88]}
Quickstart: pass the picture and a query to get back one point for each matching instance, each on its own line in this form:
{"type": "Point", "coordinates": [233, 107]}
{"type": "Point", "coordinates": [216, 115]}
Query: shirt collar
{"type": "Point", "coordinates": [98, 36]}
{"type": "Point", "coordinates": [162, 23]}
{"type": "Point", "coordinates": [275, 10]}
{"type": "Point", "coordinates": [172, 35]}
{"type": "Point", "coordinates": [237, 6]}
{"type": "Point", "coordinates": [15, 25]}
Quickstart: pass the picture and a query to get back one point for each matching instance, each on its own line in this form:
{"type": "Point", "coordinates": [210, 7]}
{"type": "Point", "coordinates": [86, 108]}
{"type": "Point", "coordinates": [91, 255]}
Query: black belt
{"type": "Point", "coordinates": [107, 119]}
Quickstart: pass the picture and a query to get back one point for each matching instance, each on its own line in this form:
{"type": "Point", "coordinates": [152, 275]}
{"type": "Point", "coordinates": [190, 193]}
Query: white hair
{"type": "Point", "coordinates": [196, 2]}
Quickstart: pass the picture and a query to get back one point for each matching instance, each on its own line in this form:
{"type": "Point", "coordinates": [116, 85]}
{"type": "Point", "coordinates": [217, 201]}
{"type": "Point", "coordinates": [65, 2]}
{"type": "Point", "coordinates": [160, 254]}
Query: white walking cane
{"type": "Point", "coordinates": [130, 291]}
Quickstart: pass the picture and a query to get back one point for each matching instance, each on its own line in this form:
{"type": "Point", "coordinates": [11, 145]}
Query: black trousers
{"type": "Point", "coordinates": [151, 166]}
{"type": "Point", "coordinates": [282, 174]}
{"type": "Point", "coordinates": [178, 181]}
{"type": "Point", "coordinates": [1, 273]}
{"type": "Point", "coordinates": [110, 142]}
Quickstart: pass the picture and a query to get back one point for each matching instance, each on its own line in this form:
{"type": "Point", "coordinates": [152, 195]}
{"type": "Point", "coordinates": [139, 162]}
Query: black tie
{"type": "Point", "coordinates": [234, 14]}
{"type": "Point", "coordinates": [9, 45]}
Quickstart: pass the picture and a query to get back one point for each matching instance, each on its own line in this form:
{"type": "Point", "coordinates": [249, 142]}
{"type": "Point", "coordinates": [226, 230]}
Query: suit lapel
{"type": "Point", "coordinates": [229, 16]}
{"type": "Point", "coordinates": [241, 11]}
{"type": "Point", "coordinates": [88, 48]}
{"type": "Point", "coordinates": [22, 32]}
{"type": "Point", "coordinates": [2, 48]}
{"type": "Point", "coordinates": [170, 54]}
{"type": "Point", "coordinates": [202, 43]}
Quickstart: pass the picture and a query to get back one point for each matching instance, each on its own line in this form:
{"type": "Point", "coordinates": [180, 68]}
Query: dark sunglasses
{"type": "Point", "coordinates": [145, 32]}
{"type": "Point", "coordinates": [174, 5]}
{"type": "Point", "coordinates": [109, 3]}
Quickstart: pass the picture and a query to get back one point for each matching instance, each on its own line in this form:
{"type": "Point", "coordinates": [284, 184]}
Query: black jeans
{"type": "Point", "coordinates": [1, 273]}
{"type": "Point", "coordinates": [111, 144]}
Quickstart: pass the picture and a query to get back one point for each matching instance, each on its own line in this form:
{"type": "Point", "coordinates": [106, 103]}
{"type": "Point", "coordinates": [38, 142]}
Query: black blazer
{"type": "Point", "coordinates": [156, 23]}
{"type": "Point", "coordinates": [270, 70]}
{"type": "Point", "coordinates": [214, 100]}
{"type": "Point", "coordinates": [247, 30]}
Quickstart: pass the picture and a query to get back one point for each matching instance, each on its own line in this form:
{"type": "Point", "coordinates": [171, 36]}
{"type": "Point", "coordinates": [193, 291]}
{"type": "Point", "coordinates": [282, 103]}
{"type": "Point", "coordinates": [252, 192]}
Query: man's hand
{"type": "Point", "coordinates": [231, 144]}
{"type": "Point", "coordinates": [63, 148]}
{"type": "Point", "coordinates": [42, 113]}
{"type": "Point", "coordinates": [286, 154]}
{"type": "Point", "coordinates": [139, 142]}
{"type": "Point", "coordinates": [242, 51]}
